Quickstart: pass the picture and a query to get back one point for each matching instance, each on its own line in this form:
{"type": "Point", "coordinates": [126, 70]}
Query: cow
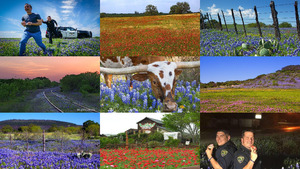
{"type": "Point", "coordinates": [163, 76]}
{"type": "Point", "coordinates": [122, 62]}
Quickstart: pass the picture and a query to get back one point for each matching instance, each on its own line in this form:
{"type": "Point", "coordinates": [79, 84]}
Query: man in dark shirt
{"type": "Point", "coordinates": [32, 23]}
{"type": "Point", "coordinates": [50, 27]}
{"type": "Point", "coordinates": [246, 157]}
{"type": "Point", "coordinates": [223, 158]}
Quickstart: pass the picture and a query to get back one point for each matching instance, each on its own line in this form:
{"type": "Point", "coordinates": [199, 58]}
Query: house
{"type": "Point", "coordinates": [150, 125]}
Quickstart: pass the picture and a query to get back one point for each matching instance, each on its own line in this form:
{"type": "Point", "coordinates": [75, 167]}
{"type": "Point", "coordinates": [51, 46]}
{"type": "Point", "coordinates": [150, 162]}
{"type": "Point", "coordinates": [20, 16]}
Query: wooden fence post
{"type": "Point", "coordinates": [220, 22]}
{"type": "Point", "coordinates": [257, 22]}
{"type": "Point", "coordinates": [212, 21]}
{"type": "Point", "coordinates": [224, 21]}
{"type": "Point", "coordinates": [297, 18]}
{"type": "Point", "coordinates": [44, 141]}
{"type": "Point", "coordinates": [201, 21]}
{"type": "Point", "coordinates": [208, 21]}
{"type": "Point", "coordinates": [243, 23]}
{"type": "Point", "coordinates": [275, 20]}
{"type": "Point", "coordinates": [234, 21]}
{"type": "Point", "coordinates": [127, 140]}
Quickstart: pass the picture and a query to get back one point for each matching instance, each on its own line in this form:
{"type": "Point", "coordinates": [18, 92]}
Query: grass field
{"type": "Point", "coordinates": [168, 158]}
{"type": "Point", "coordinates": [60, 47]}
{"type": "Point", "coordinates": [168, 35]}
{"type": "Point", "coordinates": [249, 100]}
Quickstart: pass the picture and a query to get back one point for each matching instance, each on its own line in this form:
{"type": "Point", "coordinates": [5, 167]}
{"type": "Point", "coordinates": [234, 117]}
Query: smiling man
{"type": "Point", "coordinates": [32, 23]}
{"type": "Point", "coordinates": [246, 156]}
{"type": "Point", "coordinates": [223, 158]}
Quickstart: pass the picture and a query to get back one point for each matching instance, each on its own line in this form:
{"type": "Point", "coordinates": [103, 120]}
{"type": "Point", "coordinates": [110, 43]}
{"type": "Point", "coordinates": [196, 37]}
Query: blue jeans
{"type": "Point", "coordinates": [36, 36]}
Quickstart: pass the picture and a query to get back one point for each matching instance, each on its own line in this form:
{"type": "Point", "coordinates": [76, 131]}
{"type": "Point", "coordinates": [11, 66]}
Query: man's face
{"type": "Point", "coordinates": [27, 8]}
{"type": "Point", "coordinates": [248, 139]}
{"type": "Point", "coordinates": [49, 18]}
{"type": "Point", "coordinates": [222, 138]}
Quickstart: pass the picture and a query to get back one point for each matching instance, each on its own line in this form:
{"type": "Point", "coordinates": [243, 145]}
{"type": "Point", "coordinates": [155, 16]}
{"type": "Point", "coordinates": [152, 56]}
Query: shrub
{"type": "Point", "coordinates": [172, 142]}
{"type": "Point", "coordinates": [157, 136]}
{"type": "Point", "coordinates": [153, 144]}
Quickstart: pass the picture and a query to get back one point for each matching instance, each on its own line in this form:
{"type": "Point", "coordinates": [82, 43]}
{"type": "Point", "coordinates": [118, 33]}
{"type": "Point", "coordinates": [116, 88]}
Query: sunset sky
{"type": "Point", "coordinates": [53, 68]}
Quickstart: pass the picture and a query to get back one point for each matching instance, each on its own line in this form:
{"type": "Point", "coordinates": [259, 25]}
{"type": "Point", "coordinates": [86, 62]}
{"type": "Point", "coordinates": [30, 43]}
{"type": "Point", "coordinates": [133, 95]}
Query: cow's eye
{"type": "Point", "coordinates": [154, 82]}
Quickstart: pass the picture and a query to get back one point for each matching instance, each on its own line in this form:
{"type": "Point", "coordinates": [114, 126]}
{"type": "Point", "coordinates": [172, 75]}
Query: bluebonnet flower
{"type": "Point", "coordinates": [154, 103]}
{"type": "Point", "coordinates": [193, 83]}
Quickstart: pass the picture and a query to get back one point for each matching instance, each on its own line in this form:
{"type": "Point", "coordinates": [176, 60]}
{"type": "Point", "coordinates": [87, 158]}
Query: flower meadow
{"type": "Point", "coordinates": [221, 43]}
{"type": "Point", "coordinates": [139, 98]}
{"type": "Point", "coordinates": [250, 100]}
{"type": "Point", "coordinates": [56, 156]}
{"type": "Point", "coordinates": [60, 47]}
{"type": "Point", "coordinates": [168, 35]}
{"type": "Point", "coordinates": [167, 158]}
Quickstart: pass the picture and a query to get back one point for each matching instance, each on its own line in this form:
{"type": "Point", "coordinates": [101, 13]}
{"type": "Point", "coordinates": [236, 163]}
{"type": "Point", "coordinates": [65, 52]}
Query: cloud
{"type": "Point", "coordinates": [213, 10]}
{"type": "Point", "coordinates": [11, 34]}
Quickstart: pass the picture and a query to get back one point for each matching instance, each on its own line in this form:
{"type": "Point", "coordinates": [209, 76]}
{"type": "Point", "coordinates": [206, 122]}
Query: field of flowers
{"type": "Point", "coordinates": [167, 35]}
{"type": "Point", "coordinates": [250, 100]}
{"type": "Point", "coordinates": [167, 158]}
{"type": "Point", "coordinates": [221, 43]}
{"type": "Point", "coordinates": [140, 98]}
{"type": "Point", "coordinates": [60, 47]}
{"type": "Point", "coordinates": [56, 156]}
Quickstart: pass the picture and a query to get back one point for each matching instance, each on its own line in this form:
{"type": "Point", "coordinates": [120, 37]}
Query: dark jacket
{"type": "Point", "coordinates": [242, 157]}
{"type": "Point", "coordinates": [224, 155]}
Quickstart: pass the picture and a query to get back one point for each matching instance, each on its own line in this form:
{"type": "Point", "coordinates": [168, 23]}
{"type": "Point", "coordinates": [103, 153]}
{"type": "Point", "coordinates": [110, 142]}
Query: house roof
{"type": "Point", "coordinates": [155, 120]}
{"type": "Point", "coordinates": [163, 128]}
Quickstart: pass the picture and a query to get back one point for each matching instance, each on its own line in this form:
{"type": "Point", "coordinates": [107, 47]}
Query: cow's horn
{"type": "Point", "coordinates": [124, 71]}
{"type": "Point", "coordinates": [186, 65]}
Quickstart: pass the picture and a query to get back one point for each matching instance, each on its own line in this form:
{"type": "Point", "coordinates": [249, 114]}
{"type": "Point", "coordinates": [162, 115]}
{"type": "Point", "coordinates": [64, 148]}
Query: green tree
{"type": "Point", "coordinates": [180, 8]}
{"type": "Point", "coordinates": [7, 129]}
{"type": "Point", "coordinates": [34, 128]}
{"type": "Point", "coordinates": [93, 130]}
{"type": "Point", "coordinates": [181, 122]}
{"type": "Point", "coordinates": [151, 10]}
{"type": "Point", "coordinates": [285, 25]}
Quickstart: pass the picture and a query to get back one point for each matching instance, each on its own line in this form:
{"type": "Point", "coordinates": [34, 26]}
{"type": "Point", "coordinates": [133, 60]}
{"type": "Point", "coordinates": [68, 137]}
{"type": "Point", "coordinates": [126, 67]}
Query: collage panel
{"type": "Point", "coordinates": [150, 140]}
{"type": "Point", "coordinates": [49, 140]}
{"type": "Point", "coordinates": [249, 28]}
{"type": "Point", "coordinates": [250, 84]}
{"type": "Point", "coordinates": [270, 140]}
{"type": "Point", "coordinates": [160, 84]}
{"type": "Point", "coordinates": [149, 28]}
{"type": "Point", "coordinates": [50, 28]}
{"type": "Point", "coordinates": [49, 84]}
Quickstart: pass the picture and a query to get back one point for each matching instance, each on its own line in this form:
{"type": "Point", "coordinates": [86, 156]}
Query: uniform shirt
{"type": "Point", "coordinates": [31, 18]}
{"type": "Point", "coordinates": [242, 157]}
{"type": "Point", "coordinates": [224, 155]}
{"type": "Point", "coordinates": [50, 24]}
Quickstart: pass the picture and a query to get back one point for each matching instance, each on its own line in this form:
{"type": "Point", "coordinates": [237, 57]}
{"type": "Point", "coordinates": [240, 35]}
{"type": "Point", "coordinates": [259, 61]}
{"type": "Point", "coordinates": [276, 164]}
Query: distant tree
{"type": "Point", "coordinates": [93, 130]}
{"type": "Point", "coordinates": [180, 8]}
{"type": "Point", "coordinates": [34, 128]}
{"type": "Point", "coordinates": [136, 12]}
{"type": "Point", "coordinates": [151, 10]}
{"type": "Point", "coordinates": [7, 129]}
{"type": "Point", "coordinates": [254, 25]}
{"type": "Point", "coordinates": [23, 129]}
{"type": "Point", "coordinates": [53, 128]}
{"type": "Point", "coordinates": [285, 25]}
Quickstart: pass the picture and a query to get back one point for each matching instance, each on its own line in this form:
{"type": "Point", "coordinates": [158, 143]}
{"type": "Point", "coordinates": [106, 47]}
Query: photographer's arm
{"type": "Point", "coordinates": [213, 162]}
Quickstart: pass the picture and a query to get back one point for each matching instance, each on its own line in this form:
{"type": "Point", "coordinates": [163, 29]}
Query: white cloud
{"type": "Point", "coordinates": [11, 34]}
{"type": "Point", "coordinates": [213, 10]}
{"type": "Point", "coordinates": [241, 8]}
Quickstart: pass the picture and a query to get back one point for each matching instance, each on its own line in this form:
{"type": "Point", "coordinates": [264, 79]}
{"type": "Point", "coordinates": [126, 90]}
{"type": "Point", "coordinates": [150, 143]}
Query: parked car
{"type": "Point", "coordinates": [70, 32]}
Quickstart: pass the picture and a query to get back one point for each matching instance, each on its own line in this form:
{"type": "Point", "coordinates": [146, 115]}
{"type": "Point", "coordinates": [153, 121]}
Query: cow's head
{"type": "Point", "coordinates": [163, 76]}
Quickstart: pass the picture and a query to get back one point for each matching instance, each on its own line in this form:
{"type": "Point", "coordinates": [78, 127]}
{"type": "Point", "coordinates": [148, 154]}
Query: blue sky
{"type": "Point", "coordinates": [285, 9]}
{"type": "Point", "coordinates": [221, 69]}
{"type": "Point", "coordinates": [130, 6]}
{"type": "Point", "coordinates": [77, 118]}
{"type": "Point", "coordinates": [80, 14]}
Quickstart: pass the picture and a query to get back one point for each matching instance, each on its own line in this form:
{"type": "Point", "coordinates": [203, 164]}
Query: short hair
{"type": "Point", "coordinates": [224, 131]}
{"type": "Point", "coordinates": [28, 5]}
{"type": "Point", "coordinates": [49, 16]}
{"type": "Point", "coordinates": [244, 131]}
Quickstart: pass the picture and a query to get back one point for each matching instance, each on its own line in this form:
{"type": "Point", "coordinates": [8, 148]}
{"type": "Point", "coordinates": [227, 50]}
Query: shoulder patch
{"type": "Point", "coordinates": [240, 159]}
{"type": "Point", "coordinates": [224, 153]}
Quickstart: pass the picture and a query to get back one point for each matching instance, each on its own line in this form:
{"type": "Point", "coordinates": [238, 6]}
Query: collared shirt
{"type": "Point", "coordinates": [242, 157]}
{"type": "Point", "coordinates": [31, 18]}
{"type": "Point", "coordinates": [224, 155]}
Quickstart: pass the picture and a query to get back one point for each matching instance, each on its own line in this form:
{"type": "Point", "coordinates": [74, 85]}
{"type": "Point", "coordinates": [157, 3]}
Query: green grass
{"type": "Point", "coordinates": [250, 100]}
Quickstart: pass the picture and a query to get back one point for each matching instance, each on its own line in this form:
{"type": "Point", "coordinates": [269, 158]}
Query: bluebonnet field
{"type": "Point", "coordinates": [60, 47]}
{"type": "Point", "coordinates": [54, 157]}
{"type": "Point", "coordinates": [141, 99]}
{"type": "Point", "coordinates": [221, 43]}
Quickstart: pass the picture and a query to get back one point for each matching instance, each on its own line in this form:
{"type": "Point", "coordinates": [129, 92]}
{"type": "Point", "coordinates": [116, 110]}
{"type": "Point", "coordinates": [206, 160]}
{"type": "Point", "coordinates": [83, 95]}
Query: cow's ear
{"type": "Point", "coordinates": [178, 72]}
{"type": "Point", "coordinates": [140, 77]}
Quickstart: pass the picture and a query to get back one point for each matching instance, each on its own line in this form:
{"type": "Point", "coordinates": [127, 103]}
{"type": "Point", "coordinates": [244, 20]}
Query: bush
{"type": "Point", "coordinates": [157, 136]}
{"type": "Point", "coordinates": [285, 25]}
{"type": "Point", "coordinates": [172, 142]}
{"type": "Point", "coordinates": [104, 141]}
{"type": "Point", "coordinates": [153, 144]}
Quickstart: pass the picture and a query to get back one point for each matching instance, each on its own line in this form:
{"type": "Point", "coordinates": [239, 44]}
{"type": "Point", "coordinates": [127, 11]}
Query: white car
{"type": "Point", "coordinates": [69, 32]}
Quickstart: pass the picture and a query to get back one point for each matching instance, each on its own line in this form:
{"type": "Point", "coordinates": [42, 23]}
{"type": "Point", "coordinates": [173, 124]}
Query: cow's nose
{"type": "Point", "coordinates": [169, 106]}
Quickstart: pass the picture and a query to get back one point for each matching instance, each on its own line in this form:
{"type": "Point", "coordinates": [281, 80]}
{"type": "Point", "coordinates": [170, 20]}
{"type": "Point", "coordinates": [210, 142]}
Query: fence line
{"type": "Point", "coordinates": [274, 13]}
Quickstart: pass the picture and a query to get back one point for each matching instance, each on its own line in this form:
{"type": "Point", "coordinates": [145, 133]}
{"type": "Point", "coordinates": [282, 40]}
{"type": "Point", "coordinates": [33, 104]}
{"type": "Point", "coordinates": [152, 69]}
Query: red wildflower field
{"type": "Point", "coordinates": [143, 158]}
{"type": "Point", "coordinates": [168, 35]}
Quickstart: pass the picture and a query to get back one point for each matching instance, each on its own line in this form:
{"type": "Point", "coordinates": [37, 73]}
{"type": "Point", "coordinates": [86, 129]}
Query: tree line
{"type": "Point", "coordinates": [178, 8]}
{"type": "Point", "coordinates": [11, 88]}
